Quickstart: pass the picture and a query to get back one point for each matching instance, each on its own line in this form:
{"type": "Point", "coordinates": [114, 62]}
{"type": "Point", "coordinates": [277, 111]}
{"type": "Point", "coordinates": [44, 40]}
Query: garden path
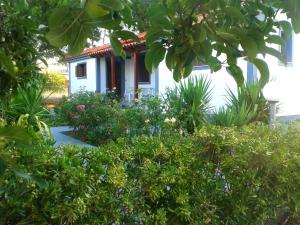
{"type": "Point", "coordinates": [60, 138]}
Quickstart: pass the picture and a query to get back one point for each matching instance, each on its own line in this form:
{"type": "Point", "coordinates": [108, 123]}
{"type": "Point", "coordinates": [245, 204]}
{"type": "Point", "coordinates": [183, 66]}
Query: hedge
{"type": "Point", "coordinates": [217, 176]}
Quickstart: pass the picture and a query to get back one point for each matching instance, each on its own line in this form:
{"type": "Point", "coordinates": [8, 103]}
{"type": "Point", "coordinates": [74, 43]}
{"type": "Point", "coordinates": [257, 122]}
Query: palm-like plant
{"type": "Point", "coordinates": [248, 105]}
{"type": "Point", "coordinates": [28, 101]}
{"type": "Point", "coordinates": [250, 96]}
{"type": "Point", "coordinates": [190, 101]}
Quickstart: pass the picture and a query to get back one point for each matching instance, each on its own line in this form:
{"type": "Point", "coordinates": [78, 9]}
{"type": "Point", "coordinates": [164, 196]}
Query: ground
{"type": "Point", "coordinates": [60, 138]}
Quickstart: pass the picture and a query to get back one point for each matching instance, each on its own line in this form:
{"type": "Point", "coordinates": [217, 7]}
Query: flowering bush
{"type": "Point", "coordinates": [99, 118]}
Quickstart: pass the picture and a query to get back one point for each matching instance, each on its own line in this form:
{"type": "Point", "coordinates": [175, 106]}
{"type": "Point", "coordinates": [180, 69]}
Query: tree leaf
{"type": "Point", "coordinates": [286, 27]}
{"type": "Point", "coordinates": [214, 64]}
{"type": "Point", "coordinates": [250, 46]}
{"type": "Point", "coordinates": [126, 35]}
{"type": "Point", "coordinates": [237, 73]}
{"type": "Point", "coordinates": [263, 69]}
{"type": "Point", "coordinates": [94, 9]}
{"type": "Point", "coordinates": [275, 53]}
{"type": "Point", "coordinates": [7, 64]}
{"type": "Point", "coordinates": [170, 58]}
{"type": "Point", "coordinates": [154, 56]}
{"type": "Point", "coordinates": [275, 39]}
{"type": "Point", "coordinates": [116, 46]}
{"type": "Point", "coordinates": [115, 5]}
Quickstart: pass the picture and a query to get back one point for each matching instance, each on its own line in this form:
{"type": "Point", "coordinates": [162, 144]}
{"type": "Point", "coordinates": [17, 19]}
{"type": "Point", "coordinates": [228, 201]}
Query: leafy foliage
{"type": "Point", "coordinates": [54, 82]}
{"type": "Point", "coordinates": [25, 107]}
{"type": "Point", "coordinates": [189, 102]}
{"type": "Point", "coordinates": [183, 32]}
{"type": "Point", "coordinates": [248, 105]}
{"type": "Point", "coordinates": [99, 118]}
{"type": "Point", "coordinates": [217, 176]}
{"type": "Point", "coordinates": [22, 41]}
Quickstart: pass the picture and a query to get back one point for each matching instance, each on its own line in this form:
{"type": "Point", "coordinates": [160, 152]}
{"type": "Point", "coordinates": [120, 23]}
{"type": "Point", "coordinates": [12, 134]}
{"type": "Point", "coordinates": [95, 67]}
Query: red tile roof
{"type": "Point", "coordinates": [106, 48]}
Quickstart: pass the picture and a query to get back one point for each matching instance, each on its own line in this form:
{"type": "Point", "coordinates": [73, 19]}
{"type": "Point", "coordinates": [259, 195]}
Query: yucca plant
{"type": "Point", "coordinates": [248, 105]}
{"type": "Point", "coordinates": [189, 102]}
{"type": "Point", "coordinates": [27, 101]}
{"type": "Point", "coordinates": [249, 96]}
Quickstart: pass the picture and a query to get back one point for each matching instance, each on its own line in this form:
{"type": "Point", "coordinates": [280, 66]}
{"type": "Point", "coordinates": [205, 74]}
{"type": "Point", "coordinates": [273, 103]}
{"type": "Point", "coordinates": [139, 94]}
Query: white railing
{"type": "Point", "coordinates": [143, 93]}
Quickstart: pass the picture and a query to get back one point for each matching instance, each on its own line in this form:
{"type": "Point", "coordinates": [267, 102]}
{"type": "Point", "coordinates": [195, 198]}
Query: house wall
{"type": "Point", "coordinates": [220, 81]}
{"type": "Point", "coordinates": [287, 79]}
{"type": "Point", "coordinates": [88, 83]}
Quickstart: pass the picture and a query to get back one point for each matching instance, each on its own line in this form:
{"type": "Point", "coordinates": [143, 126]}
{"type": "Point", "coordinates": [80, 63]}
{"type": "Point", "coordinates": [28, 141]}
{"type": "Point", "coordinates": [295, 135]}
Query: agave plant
{"type": "Point", "coordinates": [189, 102]}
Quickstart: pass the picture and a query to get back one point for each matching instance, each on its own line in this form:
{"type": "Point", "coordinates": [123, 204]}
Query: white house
{"type": "Point", "coordinates": [98, 70]}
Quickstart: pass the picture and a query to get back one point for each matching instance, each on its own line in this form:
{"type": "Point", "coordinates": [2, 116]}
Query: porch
{"type": "Point", "coordinates": [127, 77]}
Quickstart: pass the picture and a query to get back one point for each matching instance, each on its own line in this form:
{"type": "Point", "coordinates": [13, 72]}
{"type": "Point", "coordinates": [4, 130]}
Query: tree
{"type": "Point", "coordinates": [23, 26]}
{"type": "Point", "coordinates": [182, 31]}
{"type": "Point", "coordinates": [54, 82]}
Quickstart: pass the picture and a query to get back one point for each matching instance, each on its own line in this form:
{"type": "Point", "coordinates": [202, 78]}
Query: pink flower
{"type": "Point", "coordinates": [81, 127]}
{"type": "Point", "coordinates": [80, 107]}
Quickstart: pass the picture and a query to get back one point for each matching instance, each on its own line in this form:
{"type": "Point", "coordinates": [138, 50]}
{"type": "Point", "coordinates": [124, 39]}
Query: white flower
{"type": "Point", "coordinates": [167, 120]}
{"type": "Point", "coordinates": [164, 112]}
{"type": "Point", "coordinates": [173, 120]}
{"type": "Point", "coordinates": [147, 121]}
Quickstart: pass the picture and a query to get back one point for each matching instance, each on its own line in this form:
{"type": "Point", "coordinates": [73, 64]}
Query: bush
{"type": "Point", "coordinates": [249, 105]}
{"type": "Point", "coordinates": [217, 176]}
{"type": "Point", "coordinates": [99, 118]}
{"type": "Point", "coordinates": [189, 103]}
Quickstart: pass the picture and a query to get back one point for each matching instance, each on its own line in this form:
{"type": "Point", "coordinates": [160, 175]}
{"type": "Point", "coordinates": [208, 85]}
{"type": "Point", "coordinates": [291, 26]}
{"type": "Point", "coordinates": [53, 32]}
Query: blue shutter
{"type": "Point", "coordinates": [98, 75]}
{"type": "Point", "coordinates": [287, 50]}
{"type": "Point", "coordinates": [251, 72]}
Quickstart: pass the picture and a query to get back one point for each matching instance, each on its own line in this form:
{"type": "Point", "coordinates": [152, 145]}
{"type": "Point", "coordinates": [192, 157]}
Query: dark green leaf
{"type": "Point", "coordinates": [236, 72]}
{"type": "Point", "coordinates": [154, 56]}
{"type": "Point", "coordinates": [94, 9]}
{"type": "Point", "coordinates": [125, 35]}
{"type": "Point", "coordinates": [263, 69]}
{"type": "Point", "coordinates": [286, 27]}
{"type": "Point", "coordinates": [116, 46]}
{"type": "Point", "coordinates": [250, 46]}
{"type": "Point", "coordinates": [275, 53]}
{"type": "Point", "coordinates": [275, 39]}
{"type": "Point", "coordinates": [115, 5]}
{"type": "Point", "coordinates": [7, 64]}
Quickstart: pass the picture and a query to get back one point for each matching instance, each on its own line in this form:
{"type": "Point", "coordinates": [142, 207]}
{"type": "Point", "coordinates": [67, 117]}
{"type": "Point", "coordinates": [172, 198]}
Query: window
{"type": "Point", "coordinates": [144, 76]}
{"type": "Point", "coordinates": [287, 50]}
{"type": "Point", "coordinates": [200, 66]}
{"type": "Point", "coordinates": [81, 70]}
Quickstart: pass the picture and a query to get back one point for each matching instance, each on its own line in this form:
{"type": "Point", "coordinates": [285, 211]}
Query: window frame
{"type": "Point", "coordinates": [145, 69]}
{"type": "Point", "coordinates": [81, 64]}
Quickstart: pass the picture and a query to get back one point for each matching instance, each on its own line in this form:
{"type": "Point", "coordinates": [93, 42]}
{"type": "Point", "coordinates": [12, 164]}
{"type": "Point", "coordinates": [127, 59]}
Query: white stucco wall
{"type": "Point", "coordinates": [129, 74]}
{"type": "Point", "coordinates": [88, 83]}
{"type": "Point", "coordinates": [220, 81]}
{"type": "Point", "coordinates": [288, 80]}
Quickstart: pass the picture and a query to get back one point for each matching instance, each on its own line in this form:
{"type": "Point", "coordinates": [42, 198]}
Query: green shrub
{"type": "Point", "coordinates": [217, 176]}
{"type": "Point", "coordinates": [248, 105]}
{"type": "Point", "coordinates": [99, 118]}
{"type": "Point", "coordinates": [189, 103]}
